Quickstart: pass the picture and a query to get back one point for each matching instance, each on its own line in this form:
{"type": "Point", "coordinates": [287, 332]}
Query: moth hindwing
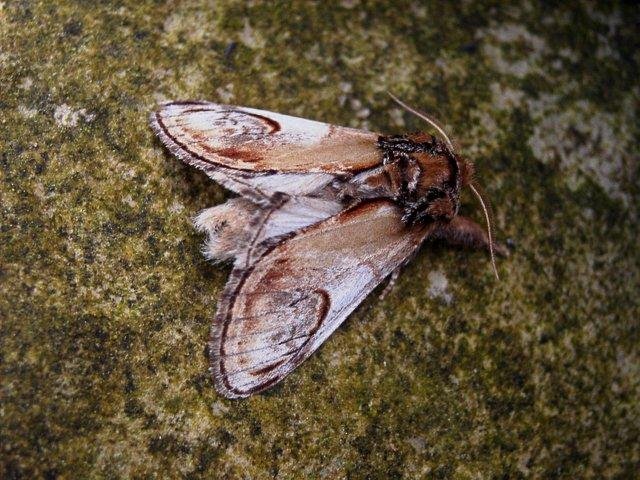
{"type": "Point", "coordinates": [324, 215]}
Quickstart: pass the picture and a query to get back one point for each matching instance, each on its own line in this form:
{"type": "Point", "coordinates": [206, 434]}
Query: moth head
{"type": "Point", "coordinates": [466, 179]}
{"type": "Point", "coordinates": [467, 172]}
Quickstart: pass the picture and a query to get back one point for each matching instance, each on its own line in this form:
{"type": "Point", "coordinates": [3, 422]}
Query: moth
{"type": "Point", "coordinates": [324, 215]}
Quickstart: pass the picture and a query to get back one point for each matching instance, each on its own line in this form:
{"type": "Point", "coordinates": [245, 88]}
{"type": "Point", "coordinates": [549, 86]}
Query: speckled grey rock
{"type": "Point", "coordinates": [106, 301]}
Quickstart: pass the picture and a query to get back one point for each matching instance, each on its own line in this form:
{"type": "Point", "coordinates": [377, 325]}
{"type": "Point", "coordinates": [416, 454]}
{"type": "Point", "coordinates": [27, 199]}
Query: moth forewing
{"type": "Point", "coordinates": [278, 311]}
{"type": "Point", "coordinates": [255, 140]}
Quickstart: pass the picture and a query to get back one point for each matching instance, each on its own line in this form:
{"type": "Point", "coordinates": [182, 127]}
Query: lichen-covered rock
{"type": "Point", "coordinates": [106, 301]}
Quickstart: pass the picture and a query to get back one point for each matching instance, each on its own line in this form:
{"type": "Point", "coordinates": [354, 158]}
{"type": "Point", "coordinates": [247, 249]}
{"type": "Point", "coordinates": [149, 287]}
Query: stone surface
{"type": "Point", "coordinates": [106, 301]}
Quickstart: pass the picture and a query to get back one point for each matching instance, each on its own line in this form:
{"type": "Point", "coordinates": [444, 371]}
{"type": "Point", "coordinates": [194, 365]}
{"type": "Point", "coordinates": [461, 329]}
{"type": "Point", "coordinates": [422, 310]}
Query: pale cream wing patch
{"type": "Point", "coordinates": [280, 309]}
{"type": "Point", "coordinates": [238, 227]}
{"type": "Point", "coordinates": [253, 140]}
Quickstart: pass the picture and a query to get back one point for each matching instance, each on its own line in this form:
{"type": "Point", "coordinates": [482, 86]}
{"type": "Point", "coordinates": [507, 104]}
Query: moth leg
{"type": "Point", "coordinates": [393, 278]}
{"type": "Point", "coordinates": [464, 232]}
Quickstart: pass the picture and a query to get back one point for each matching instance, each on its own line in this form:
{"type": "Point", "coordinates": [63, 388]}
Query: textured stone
{"type": "Point", "coordinates": [106, 301]}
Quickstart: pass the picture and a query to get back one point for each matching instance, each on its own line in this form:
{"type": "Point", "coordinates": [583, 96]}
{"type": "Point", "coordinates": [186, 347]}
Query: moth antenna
{"type": "Point", "coordinates": [425, 117]}
{"type": "Point", "coordinates": [489, 234]}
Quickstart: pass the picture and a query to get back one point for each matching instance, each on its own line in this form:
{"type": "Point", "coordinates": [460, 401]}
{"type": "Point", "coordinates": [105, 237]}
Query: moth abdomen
{"type": "Point", "coordinates": [226, 228]}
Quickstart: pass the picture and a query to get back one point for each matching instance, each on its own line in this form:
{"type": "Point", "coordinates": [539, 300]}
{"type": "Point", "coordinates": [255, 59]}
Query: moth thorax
{"type": "Point", "coordinates": [435, 171]}
{"type": "Point", "coordinates": [429, 173]}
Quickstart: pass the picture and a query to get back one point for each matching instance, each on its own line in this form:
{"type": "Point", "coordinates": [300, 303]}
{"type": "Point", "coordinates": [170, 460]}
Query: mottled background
{"type": "Point", "coordinates": [106, 301]}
